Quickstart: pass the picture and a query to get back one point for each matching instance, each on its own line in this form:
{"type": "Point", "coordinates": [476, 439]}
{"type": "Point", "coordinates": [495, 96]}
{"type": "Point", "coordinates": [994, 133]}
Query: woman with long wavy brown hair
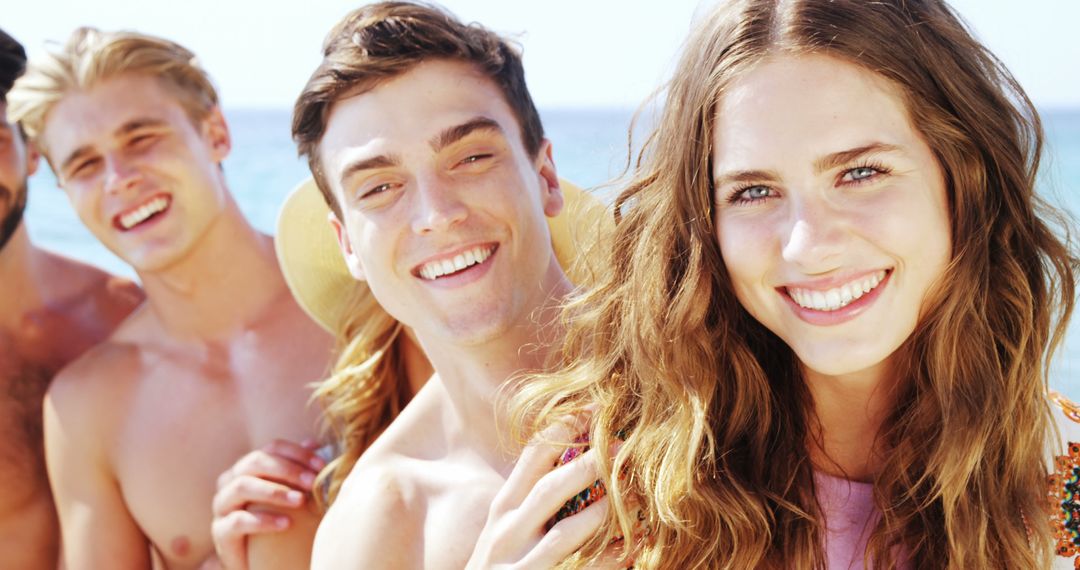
{"type": "Point", "coordinates": [831, 300]}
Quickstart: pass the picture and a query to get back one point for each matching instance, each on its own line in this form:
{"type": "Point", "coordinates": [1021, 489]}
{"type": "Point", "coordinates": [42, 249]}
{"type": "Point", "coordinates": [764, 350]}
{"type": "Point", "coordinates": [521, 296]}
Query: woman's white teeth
{"type": "Point", "coordinates": [838, 297]}
{"type": "Point", "coordinates": [132, 219]}
{"type": "Point", "coordinates": [436, 269]}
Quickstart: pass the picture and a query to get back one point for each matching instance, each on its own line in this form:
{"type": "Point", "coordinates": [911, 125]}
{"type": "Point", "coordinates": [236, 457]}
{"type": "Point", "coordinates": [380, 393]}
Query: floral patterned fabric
{"type": "Point", "coordinates": [1064, 487]}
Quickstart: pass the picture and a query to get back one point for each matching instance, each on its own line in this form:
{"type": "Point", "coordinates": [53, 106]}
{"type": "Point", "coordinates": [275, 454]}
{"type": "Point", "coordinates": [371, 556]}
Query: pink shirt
{"type": "Point", "coordinates": [850, 516]}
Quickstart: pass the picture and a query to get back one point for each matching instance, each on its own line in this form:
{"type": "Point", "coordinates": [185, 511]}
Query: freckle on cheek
{"type": "Point", "coordinates": [180, 546]}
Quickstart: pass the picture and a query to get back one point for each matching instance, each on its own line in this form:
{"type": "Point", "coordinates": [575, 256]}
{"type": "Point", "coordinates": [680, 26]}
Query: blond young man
{"type": "Point", "coordinates": [52, 309]}
{"type": "Point", "coordinates": [139, 428]}
{"type": "Point", "coordinates": [425, 143]}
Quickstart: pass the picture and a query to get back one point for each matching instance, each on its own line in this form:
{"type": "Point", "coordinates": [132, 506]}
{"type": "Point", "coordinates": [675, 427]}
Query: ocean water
{"type": "Point", "coordinates": [590, 149]}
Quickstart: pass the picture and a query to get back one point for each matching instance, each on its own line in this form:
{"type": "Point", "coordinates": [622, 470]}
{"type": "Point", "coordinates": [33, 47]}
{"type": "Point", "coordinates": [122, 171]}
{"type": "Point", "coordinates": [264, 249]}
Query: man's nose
{"type": "Point", "coordinates": [120, 174]}
{"type": "Point", "coordinates": [438, 206]}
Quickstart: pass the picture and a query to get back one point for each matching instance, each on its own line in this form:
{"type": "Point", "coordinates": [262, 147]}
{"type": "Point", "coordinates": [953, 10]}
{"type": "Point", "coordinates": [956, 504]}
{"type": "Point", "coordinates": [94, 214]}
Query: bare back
{"type": "Point", "coordinates": [75, 309]}
{"type": "Point", "coordinates": [141, 427]}
{"type": "Point", "coordinates": [415, 482]}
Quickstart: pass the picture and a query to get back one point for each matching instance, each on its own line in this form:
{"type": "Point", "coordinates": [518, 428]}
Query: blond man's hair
{"type": "Point", "coordinates": [91, 56]}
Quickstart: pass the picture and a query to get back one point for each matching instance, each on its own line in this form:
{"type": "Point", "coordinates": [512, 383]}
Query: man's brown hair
{"type": "Point", "coordinates": [377, 42]}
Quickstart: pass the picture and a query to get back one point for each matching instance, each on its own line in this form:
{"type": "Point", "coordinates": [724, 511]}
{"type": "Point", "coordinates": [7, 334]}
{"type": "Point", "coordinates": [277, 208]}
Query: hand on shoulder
{"type": "Point", "coordinates": [255, 495]}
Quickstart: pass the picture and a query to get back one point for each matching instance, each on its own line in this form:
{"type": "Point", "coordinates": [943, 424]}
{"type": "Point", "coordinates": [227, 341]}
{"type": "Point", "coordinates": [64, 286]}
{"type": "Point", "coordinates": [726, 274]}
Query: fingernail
{"type": "Point", "coordinates": [294, 497]}
{"type": "Point", "coordinates": [309, 442]}
{"type": "Point", "coordinates": [317, 463]}
{"type": "Point", "coordinates": [281, 522]}
{"type": "Point", "coordinates": [307, 478]}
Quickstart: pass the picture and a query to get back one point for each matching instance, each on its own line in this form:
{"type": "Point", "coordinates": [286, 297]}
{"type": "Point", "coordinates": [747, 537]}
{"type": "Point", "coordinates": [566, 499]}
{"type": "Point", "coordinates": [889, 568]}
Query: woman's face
{"type": "Point", "coordinates": [831, 211]}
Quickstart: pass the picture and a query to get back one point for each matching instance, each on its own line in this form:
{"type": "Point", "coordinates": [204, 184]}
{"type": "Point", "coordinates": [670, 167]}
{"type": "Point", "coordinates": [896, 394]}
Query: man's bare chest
{"type": "Point", "coordinates": [183, 426]}
{"type": "Point", "coordinates": [22, 464]}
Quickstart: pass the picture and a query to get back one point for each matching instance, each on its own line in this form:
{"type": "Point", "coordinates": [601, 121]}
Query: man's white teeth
{"type": "Point", "coordinates": [436, 269]}
{"type": "Point", "coordinates": [838, 297]}
{"type": "Point", "coordinates": [132, 219]}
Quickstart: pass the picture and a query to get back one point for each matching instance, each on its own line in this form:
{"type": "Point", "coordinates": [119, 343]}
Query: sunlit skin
{"type": "Point", "coordinates": [221, 339]}
{"type": "Point", "coordinates": [449, 189]}
{"type": "Point", "coordinates": [124, 142]}
{"type": "Point", "coordinates": [52, 309]}
{"type": "Point", "coordinates": [820, 180]}
{"type": "Point", "coordinates": [427, 165]}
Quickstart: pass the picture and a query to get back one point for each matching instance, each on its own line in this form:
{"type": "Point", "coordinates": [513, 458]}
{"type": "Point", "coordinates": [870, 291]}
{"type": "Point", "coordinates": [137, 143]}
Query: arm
{"type": "Point", "coordinates": [264, 514]}
{"type": "Point", "coordinates": [97, 530]}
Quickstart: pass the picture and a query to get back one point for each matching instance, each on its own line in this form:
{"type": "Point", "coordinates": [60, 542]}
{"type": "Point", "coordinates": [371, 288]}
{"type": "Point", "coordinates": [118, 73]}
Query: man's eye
{"type": "Point", "coordinates": [472, 159]}
{"type": "Point", "coordinates": [84, 167]}
{"type": "Point", "coordinates": [142, 141]}
{"type": "Point", "coordinates": [376, 190]}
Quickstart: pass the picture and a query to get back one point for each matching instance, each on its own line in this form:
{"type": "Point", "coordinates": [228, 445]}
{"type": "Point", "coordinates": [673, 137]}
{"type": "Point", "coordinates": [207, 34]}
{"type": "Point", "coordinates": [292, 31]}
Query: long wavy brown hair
{"type": "Point", "coordinates": [716, 415]}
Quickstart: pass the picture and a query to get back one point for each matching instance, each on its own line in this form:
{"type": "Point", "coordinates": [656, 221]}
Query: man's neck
{"type": "Point", "coordinates": [21, 284]}
{"type": "Point", "coordinates": [221, 287]}
{"type": "Point", "coordinates": [474, 374]}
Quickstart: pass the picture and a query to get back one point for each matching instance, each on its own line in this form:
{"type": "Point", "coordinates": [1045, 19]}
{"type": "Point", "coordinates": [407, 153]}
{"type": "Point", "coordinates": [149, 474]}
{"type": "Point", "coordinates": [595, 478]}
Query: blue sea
{"type": "Point", "coordinates": [590, 149]}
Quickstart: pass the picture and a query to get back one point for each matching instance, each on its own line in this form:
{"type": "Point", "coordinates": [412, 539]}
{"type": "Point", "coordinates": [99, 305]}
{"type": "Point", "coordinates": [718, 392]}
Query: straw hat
{"type": "Point", "coordinates": [319, 280]}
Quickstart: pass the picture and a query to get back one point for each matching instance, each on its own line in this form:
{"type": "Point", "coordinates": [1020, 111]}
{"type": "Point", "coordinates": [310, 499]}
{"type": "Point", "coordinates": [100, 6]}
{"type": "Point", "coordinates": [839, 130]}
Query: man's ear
{"type": "Point", "coordinates": [351, 260]}
{"type": "Point", "coordinates": [216, 133]}
{"type": "Point", "coordinates": [551, 196]}
{"type": "Point", "coordinates": [33, 157]}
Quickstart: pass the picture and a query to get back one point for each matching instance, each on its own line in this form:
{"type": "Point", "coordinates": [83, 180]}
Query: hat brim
{"type": "Point", "coordinates": [316, 273]}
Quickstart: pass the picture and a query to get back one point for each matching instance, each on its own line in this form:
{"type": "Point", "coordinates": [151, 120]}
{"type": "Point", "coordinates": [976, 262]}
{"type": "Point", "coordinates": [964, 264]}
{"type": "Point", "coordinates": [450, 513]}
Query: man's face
{"type": "Point", "coordinates": [444, 210]}
{"type": "Point", "coordinates": [17, 162]}
{"type": "Point", "coordinates": [143, 178]}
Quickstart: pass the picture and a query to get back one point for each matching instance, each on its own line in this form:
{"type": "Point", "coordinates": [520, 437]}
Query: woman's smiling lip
{"type": "Point", "coordinates": [833, 301]}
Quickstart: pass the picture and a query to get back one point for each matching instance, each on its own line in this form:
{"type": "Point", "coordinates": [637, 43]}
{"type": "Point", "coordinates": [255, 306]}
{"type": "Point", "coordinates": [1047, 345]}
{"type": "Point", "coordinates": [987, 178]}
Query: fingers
{"type": "Point", "coordinates": [557, 487]}
{"type": "Point", "coordinates": [537, 459]}
{"type": "Point", "coordinates": [247, 490]}
{"type": "Point", "coordinates": [301, 454]}
{"type": "Point", "coordinates": [281, 461]}
{"type": "Point", "coordinates": [230, 534]}
{"type": "Point", "coordinates": [567, 536]}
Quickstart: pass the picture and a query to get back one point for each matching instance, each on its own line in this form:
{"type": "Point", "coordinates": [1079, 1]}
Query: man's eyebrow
{"type": "Point", "coordinates": [125, 129]}
{"type": "Point", "coordinates": [382, 161]}
{"type": "Point", "coordinates": [843, 157]}
{"type": "Point", "coordinates": [453, 134]}
{"type": "Point", "coordinates": [76, 155]}
{"type": "Point", "coordinates": [136, 124]}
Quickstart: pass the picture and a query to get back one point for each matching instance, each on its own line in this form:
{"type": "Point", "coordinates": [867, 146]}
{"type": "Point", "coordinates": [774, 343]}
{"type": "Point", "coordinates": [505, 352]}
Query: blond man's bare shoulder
{"type": "Point", "coordinates": [97, 382]}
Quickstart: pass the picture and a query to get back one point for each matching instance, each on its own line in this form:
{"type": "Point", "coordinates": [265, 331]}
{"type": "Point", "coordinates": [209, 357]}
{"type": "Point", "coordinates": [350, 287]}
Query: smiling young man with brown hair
{"type": "Point", "coordinates": [426, 145]}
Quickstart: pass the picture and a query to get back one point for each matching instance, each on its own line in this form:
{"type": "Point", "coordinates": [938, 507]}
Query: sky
{"type": "Point", "coordinates": [578, 53]}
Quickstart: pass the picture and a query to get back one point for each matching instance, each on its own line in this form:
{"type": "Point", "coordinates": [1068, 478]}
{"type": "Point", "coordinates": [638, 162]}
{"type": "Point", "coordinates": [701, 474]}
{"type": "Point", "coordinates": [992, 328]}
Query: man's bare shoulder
{"type": "Point", "coordinates": [110, 294]}
{"type": "Point", "coordinates": [100, 376]}
{"type": "Point", "coordinates": [379, 514]}
{"type": "Point", "coordinates": [373, 522]}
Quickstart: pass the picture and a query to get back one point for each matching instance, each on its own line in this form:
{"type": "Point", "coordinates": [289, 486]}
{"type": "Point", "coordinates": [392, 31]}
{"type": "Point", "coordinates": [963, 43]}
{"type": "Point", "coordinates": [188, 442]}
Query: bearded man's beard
{"type": "Point", "coordinates": [10, 222]}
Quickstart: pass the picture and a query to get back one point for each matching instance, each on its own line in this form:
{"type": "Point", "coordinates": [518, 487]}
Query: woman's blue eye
{"type": "Point", "coordinates": [756, 192]}
{"type": "Point", "coordinates": [861, 173]}
{"type": "Point", "coordinates": [750, 195]}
